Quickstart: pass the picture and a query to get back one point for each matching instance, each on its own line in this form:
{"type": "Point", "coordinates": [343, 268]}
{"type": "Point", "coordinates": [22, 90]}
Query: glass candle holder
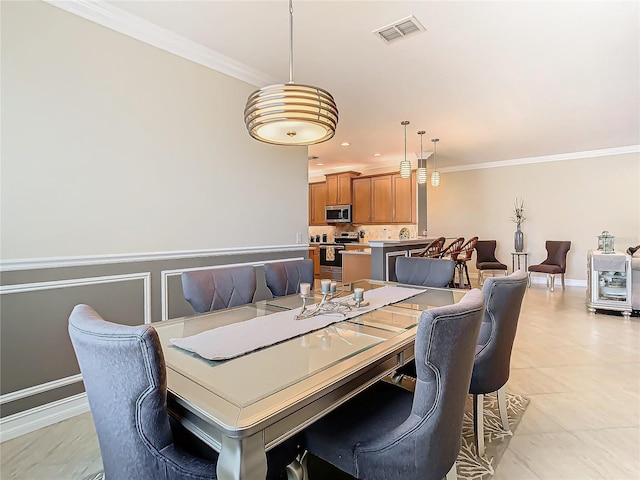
{"type": "Point", "coordinates": [358, 294]}
{"type": "Point", "coordinates": [325, 285]}
{"type": "Point", "coordinates": [305, 289]}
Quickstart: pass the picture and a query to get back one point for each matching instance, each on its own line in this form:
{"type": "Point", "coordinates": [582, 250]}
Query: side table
{"type": "Point", "coordinates": [517, 255]}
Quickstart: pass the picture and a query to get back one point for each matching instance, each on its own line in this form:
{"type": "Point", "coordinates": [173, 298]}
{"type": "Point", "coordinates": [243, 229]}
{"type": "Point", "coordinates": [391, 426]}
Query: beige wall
{"type": "Point", "coordinates": [567, 200]}
{"type": "Point", "coordinates": [112, 146]}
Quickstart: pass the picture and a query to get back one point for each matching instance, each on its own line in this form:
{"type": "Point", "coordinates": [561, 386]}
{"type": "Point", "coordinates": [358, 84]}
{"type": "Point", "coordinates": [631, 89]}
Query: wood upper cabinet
{"type": "Point", "coordinates": [404, 199]}
{"type": "Point", "coordinates": [384, 199]}
{"type": "Point", "coordinates": [339, 188]}
{"type": "Point", "coordinates": [381, 205]}
{"type": "Point", "coordinates": [361, 200]}
{"type": "Point", "coordinates": [317, 203]}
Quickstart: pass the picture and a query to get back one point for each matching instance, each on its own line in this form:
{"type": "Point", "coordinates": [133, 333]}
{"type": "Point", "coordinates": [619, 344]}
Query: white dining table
{"type": "Point", "coordinates": [244, 406]}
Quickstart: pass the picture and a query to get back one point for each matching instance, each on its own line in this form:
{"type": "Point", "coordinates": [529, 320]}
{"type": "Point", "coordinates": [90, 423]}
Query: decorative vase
{"type": "Point", "coordinates": [518, 239]}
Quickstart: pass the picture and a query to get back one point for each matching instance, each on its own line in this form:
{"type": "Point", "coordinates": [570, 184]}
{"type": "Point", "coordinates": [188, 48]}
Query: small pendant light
{"type": "Point", "coordinates": [405, 165]}
{"type": "Point", "coordinates": [435, 175]}
{"type": "Point", "coordinates": [421, 172]}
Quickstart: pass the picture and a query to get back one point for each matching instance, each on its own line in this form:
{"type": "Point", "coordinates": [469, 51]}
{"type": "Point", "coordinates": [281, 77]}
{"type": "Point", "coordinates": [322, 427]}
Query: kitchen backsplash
{"type": "Point", "coordinates": [371, 232]}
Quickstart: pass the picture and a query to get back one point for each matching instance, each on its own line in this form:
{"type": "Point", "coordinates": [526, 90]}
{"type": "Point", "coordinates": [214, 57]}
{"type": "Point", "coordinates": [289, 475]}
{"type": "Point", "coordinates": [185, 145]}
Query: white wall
{"type": "Point", "coordinates": [112, 146]}
{"type": "Point", "coordinates": [565, 200]}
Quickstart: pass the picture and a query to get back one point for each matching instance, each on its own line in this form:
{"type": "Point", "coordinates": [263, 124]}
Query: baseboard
{"type": "Point", "coordinates": [569, 282]}
{"type": "Point", "coordinates": [39, 417]}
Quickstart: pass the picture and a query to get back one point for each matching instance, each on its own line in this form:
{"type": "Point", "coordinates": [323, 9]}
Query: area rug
{"type": "Point", "coordinates": [469, 465]}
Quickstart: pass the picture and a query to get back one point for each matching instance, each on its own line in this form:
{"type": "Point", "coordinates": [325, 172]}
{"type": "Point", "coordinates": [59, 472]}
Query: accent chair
{"type": "Point", "coordinates": [554, 264]}
{"type": "Point", "coordinates": [486, 259]}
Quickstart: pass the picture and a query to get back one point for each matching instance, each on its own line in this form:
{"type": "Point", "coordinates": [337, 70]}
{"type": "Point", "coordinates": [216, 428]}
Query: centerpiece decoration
{"type": "Point", "coordinates": [518, 218]}
{"type": "Point", "coordinates": [332, 302]}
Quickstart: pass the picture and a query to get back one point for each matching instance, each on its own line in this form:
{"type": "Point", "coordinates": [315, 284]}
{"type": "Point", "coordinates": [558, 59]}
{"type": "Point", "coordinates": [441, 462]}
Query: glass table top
{"type": "Point", "coordinates": [251, 377]}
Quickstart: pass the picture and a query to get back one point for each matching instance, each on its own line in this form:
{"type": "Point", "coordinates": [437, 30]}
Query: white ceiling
{"type": "Point", "coordinates": [493, 81]}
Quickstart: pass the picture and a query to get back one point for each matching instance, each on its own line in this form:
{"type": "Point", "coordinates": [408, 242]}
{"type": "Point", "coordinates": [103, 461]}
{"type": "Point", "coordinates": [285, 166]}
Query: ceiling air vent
{"type": "Point", "coordinates": [400, 29]}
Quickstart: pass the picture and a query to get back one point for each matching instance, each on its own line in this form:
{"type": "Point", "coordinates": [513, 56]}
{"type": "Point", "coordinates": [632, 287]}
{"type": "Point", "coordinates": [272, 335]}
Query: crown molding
{"type": "Point", "coordinates": [560, 157]}
{"type": "Point", "coordinates": [121, 21]}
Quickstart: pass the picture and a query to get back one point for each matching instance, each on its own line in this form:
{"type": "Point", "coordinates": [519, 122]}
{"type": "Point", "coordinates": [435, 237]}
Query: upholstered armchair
{"type": "Point", "coordinates": [554, 264]}
{"type": "Point", "coordinates": [486, 259]}
{"type": "Point", "coordinates": [503, 300]}
{"type": "Point", "coordinates": [387, 432]}
{"type": "Point", "coordinates": [125, 378]}
{"type": "Point", "coordinates": [428, 272]}
{"type": "Point", "coordinates": [215, 288]}
{"type": "Point", "coordinates": [284, 278]}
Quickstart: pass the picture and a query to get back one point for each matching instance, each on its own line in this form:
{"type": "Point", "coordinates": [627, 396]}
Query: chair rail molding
{"type": "Point", "coordinates": [10, 265]}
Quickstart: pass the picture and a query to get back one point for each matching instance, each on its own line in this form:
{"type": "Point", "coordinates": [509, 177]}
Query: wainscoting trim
{"type": "Point", "coordinates": [36, 389]}
{"type": "Point", "coordinates": [76, 282]}
{"type": "Point", "coordinates": [39, 417]}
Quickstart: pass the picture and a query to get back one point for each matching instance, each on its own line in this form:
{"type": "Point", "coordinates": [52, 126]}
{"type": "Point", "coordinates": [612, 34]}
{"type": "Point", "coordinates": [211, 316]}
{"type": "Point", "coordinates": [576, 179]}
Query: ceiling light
{"type": "Point", "coordinates": [435, 175]}
{"type": "Point", "coordinates": [291, 114]}
{"type": "Point", "coordinates": [421, 172]}
{"type": "Point", "coordinates": [345, 144]}
{"type": "Point", "coordinates": [405, 165]}
{"type": "Point", "coordinates": [377, 154]}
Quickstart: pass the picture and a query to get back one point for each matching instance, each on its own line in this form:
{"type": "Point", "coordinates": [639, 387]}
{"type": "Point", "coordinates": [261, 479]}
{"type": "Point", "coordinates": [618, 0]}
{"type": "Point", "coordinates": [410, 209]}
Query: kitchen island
{"type": "Point", "coordinates": [385, 252]}
{"type": "Point", "coordinates": [356, 264]}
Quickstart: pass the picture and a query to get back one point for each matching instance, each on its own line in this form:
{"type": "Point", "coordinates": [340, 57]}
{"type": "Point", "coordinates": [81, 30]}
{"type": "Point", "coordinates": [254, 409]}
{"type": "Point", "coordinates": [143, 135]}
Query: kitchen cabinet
{"type": "Point", "coordinates": [339, 189]}
{"type": "Point", "coordinates": [314, 254]}
{"type": "Point", "coordinates": [317, 203]}
{"type": "Point", "coordinates": [361, 200]}
{"type": "Point", "coordinates": [384, 199]}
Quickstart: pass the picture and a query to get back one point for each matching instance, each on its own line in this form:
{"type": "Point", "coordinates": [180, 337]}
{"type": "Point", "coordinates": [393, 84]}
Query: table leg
{"type": "Point", "coordinates": [242, 458]}
{"type": "Point", "coordinates": [513, 263]}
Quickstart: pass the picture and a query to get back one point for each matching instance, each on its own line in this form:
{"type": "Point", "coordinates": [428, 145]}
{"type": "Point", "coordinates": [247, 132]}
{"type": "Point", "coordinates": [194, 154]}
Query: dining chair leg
{"type": "Point", "coordinates": [553, 281]}
{"type": "Point", "coordinates": [452, 474]}
{"type": "Point", "coordinates": [302, 460]}
{"type": "Point", "coordinates": [295, 471]}
{"type": "Point", "coordinates": [502, 408]}
{"type": "Point", "coordinates": [478, 425]}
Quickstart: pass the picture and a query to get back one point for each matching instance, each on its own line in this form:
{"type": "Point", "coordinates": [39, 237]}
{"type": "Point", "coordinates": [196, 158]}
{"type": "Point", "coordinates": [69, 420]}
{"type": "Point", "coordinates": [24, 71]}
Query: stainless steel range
{"type": "Point", "coordinates": [331, 258]}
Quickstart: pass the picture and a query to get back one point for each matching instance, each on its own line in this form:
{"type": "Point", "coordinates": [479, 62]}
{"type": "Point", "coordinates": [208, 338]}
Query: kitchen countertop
{"type": "Point", "coordinates": [396, 242]}
{"type": "Point", "coordinates": [365, 251]}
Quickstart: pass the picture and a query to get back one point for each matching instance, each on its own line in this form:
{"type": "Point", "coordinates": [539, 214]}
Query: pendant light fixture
{"type": "Point", "coordinates": [405, 165]}
{"type": "Point", "coordinates": [435, 175]}
{"type": "Point", "coordinates": [291, 114]}
{"type": "Point", "coordinates": [421, 172]}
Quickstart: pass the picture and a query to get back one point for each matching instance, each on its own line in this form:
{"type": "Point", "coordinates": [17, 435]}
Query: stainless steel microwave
{"type": "Point", "coordinates": [338, 214]}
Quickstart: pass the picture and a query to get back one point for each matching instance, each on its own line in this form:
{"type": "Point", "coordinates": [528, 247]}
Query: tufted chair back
{"type": "Point", "coordinates": [216, 288]}
{"type": "Point", "coordinates": [284, 278]}
{"type": "Point", "coordinates": [428, 272]}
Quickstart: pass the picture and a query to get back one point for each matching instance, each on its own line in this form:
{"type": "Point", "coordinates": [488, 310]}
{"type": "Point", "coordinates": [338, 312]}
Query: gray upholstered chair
{"type": "Point", "coordinates": [486, 259]}
{"type": "Point", "coordinates": [284, 278]}
{"type": "Point", "coordinates": [387, 432]}
{"type": "Point", "coordinates": [428, 272]}
{"type": "Point", "coordinates": [124, 374]}
{"type": "Point", "coordinates": [215, 288]}
{"type": "Point", "coordinates": [555, 263]}
{"type": "Point", "coordinates": [503, 299]}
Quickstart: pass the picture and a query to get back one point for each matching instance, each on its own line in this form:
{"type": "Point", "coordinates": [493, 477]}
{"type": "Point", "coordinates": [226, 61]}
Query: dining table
{"type": "Point", "coordinates": [242, 389]}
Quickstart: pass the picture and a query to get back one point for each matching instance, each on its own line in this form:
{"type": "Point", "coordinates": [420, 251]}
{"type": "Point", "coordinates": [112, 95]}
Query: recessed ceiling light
{"type": "Point", "coordinates": [345, 144]}
{"type": "Point", "coordinates": [319, 164]}
{"type": "Point", "coordinates": [377, 154]}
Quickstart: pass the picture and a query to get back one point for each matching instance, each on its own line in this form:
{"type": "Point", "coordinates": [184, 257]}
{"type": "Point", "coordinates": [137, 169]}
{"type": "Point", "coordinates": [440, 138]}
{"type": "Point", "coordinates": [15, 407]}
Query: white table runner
{"type": "Point", "coordinates": [238, 338]}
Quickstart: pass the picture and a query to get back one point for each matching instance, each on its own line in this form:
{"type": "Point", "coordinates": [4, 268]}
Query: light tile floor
{"type": "Point", "coordinates": [580, 371]}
